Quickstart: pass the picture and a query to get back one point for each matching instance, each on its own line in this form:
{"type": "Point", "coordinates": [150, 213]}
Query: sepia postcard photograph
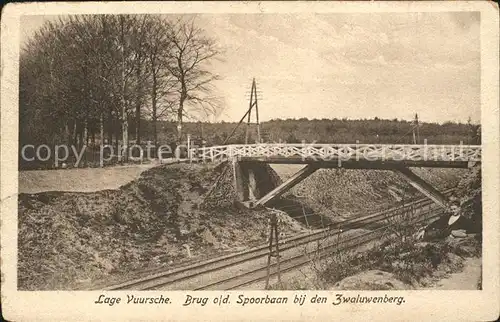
{"type": "Point", "coordinates": [236, 160]}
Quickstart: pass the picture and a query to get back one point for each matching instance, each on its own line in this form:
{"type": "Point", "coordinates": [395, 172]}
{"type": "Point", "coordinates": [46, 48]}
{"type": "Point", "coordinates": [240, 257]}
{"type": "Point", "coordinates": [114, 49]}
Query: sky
{"type": "Point", "coordinates": [344, 65]}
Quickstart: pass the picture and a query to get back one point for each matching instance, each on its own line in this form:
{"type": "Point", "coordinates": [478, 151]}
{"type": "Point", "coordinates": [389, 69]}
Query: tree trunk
{"type": "Point", "coordinates": [67, 133]}
{"type": "Point", "coordinates": [153, 103]}
{"type": "Point", "coordinates": [125, 134]}
{"type": "Point", "coordinates": [117, 138]}
{"type": "Point", "coordinates": [138, 123]}
{"type": "Point", "coordinates": [75, 133]}
{"type": "Point", "coordinates": [180, 112]}
{"type": "Point", "coordinates": [155, 132]}
{"type": "Point", "coordinates": [80, 137]}
{"type": "Point", "coordinates": [85, 132]}
{"type": "Point", "coordinates": [110, 126]}
{"type": "Point", "coordinates": [123, 102]}
{"type": "Point", "coordinates": [101, 128]}
{"type": "Point", "coordinates": [179, 123]}
{"type": "Point", "coordinates": [183, 97]}
{"type": "Point", "coordinates": [85, 139]}
{"type": "Point", "coordinates": [138, 107]}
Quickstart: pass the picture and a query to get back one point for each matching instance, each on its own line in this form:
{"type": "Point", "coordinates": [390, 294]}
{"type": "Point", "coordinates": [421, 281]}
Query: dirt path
{"type": "Point", "coordinates": [467, 279]}
{"type": "Point", "coordinates": [79, 180]}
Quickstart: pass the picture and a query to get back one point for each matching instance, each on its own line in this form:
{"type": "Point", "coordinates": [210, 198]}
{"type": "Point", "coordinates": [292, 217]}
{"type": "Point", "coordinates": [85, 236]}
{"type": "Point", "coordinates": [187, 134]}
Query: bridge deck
{"type": "Point", "coordinates": [346, 155]}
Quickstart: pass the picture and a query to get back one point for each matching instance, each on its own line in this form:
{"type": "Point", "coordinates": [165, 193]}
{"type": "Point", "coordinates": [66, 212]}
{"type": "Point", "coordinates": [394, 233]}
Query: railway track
{"type": "Point", "coordinates": [203, 275]}
{"type": "Point", "coordinates": [295, 262]}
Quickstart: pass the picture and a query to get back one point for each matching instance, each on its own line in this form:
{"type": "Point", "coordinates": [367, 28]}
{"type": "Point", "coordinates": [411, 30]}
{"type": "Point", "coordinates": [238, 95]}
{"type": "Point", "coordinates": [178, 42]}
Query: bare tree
{"type": "Point", "coordinates": [191, 52]}
{"type": "Point", "coordinates": [95, 74]}
{"type": "Point", "coordinates": [45, 96]}
{"type": "Point", "coordinates": [130, 41]}
{"type": "Point", "coordinates": [89, 53]}
{"type": "Point", "coordinates": [157, 47]}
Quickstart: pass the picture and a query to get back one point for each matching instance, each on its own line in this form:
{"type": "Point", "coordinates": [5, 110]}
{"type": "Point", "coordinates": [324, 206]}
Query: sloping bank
{"type": "Point", "coordinates": [69, 240]}
{"type": "Point", "coordinates": [338, 193]}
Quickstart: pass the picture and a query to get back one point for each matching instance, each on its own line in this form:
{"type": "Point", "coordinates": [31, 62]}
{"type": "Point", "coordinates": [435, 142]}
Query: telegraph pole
{"type": "Point", "coordinates": [249, 112]}
{"type": "Point", "coordinates": [416, 130]}
{"type": "Point", "coordinates": [257, 115]}
{"type": "Point", "coordinates": [252, 103]}
{"type": "Point", "coordinates": [470, 131]}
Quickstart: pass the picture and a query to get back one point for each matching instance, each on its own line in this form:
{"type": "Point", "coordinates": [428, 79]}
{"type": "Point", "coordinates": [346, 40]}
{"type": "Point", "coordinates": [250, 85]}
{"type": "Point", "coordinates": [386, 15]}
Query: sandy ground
{"type": "Point", "coordinates": [467, 279]}
{"type": "Point", "coordinates": [80, 180]}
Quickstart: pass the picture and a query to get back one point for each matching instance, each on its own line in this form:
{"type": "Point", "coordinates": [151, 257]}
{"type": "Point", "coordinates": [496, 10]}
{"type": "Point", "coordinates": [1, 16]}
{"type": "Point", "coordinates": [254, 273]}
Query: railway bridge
{"type": "Point", "coordinates": [251, 163]}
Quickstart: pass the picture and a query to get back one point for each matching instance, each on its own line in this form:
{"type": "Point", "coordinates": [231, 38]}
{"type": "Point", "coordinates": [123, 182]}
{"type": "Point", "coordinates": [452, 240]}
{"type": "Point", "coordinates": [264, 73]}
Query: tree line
{"type": "Point", "coordinates": [95, 78]}
{"type": "Point", "coordinates": [369, 131]}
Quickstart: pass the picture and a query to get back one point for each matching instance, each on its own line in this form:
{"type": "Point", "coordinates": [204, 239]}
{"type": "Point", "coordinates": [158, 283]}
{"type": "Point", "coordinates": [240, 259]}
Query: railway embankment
{"type": "Point", "coordinates": [170, 216]}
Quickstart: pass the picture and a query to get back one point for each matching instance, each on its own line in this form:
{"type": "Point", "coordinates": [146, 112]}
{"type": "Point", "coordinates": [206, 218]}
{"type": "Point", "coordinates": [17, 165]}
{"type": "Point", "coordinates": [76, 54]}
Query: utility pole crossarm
{"type": "Point", "coordinates": [252, 103]}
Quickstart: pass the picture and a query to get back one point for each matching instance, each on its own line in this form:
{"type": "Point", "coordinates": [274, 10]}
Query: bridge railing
{"type": "Point", "coordinates": [344, 152]}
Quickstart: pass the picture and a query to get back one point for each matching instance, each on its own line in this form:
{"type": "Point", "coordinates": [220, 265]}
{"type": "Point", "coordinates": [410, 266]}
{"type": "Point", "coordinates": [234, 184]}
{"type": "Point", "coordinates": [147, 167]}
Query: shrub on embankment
{"type": "Point", "coordinates": [418, 263]}
{"type": "Point", "coordinates": [388, 265]}
{"type": "Point", "coordinates": [403, 258]}
{"type": "Point", "coordinates": [70, 240]}
{"type": "Point", "coordinates": [469, 192]}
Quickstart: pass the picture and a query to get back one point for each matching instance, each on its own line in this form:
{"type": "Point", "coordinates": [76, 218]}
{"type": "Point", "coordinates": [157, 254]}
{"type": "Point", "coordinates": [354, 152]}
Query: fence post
{"type": "Point", "coordinates": [189, 147]}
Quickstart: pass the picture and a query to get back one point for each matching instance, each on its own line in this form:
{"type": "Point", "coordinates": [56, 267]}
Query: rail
{"type": "Point", "coordinates": [189, 277]}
